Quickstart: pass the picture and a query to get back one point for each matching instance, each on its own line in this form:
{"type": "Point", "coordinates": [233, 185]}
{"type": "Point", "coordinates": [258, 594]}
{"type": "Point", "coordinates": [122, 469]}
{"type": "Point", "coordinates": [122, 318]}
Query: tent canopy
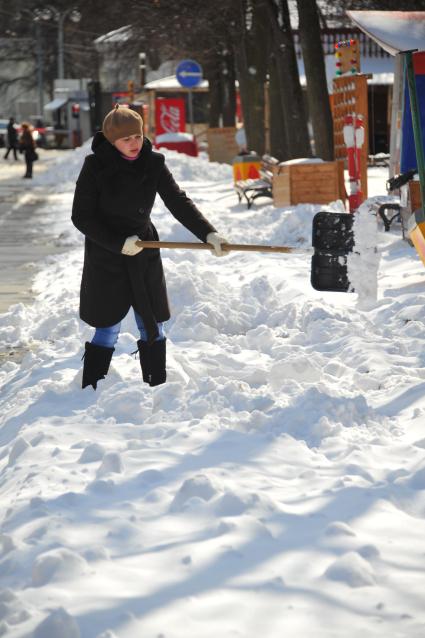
{"type": "Point", "coordinates": [55, 104]}
{"type": "Point", "coordinates": [394, 31]}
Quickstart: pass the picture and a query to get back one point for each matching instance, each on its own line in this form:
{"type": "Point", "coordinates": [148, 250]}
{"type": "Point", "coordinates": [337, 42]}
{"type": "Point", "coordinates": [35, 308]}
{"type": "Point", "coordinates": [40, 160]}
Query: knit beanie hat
{"type": "Point", "coordinates": [121, 122]}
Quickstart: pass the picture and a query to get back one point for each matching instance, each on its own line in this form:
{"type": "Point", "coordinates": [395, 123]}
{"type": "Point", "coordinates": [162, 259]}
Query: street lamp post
{"type": "Point", "coordinates": [37, 15]}
{"type": "Point", "coordinates": [60, 17]}
{"type": "Point", "coordinates": [75, 16]}
{"type": "Point", "coordinates": [142, 68]}
{"type": "Point", "coordinates": [40, 64]}
{"type": "Point", "coordinates": [61, 65]}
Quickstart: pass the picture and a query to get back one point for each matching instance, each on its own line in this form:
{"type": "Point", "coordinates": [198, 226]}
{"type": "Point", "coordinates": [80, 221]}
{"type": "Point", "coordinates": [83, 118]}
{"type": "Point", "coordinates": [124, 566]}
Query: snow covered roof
{"type": "Point", "coordinates": [55, 104]}
{"type": "Point", "coordinates": [381, 69]}
{"type": "Point", "coordinates": [394, 31]}
{"type": "Point", "coordinates": [170, 83]}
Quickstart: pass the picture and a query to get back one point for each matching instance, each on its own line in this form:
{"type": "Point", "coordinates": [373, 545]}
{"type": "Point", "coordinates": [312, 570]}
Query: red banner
{"type": "Point", "coordinates": [170, 115]}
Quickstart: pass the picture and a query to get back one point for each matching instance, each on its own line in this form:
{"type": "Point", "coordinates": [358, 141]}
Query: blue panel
{"type": "Point", "coordinates": [408, 153]}
{"type": "Point", "coordinates": [189, 73]}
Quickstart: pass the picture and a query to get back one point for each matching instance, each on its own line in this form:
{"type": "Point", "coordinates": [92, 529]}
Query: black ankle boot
{"type": "Point", "coordinates": [152, 361]}
{"type": "Point", "coordinates": [96, 364]}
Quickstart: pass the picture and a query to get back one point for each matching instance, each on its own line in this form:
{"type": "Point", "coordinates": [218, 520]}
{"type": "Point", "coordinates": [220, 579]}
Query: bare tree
{"type": "Point", "coordinates": [278, 140]}
{"type": "Point", "coordinates": [251, 42]}
{"type": "Point", "coordinates": [317, 90]}
{"type": "Point", "coordinates": [293, 110]}
{"type": "Point", "coordinates": [229, 86]}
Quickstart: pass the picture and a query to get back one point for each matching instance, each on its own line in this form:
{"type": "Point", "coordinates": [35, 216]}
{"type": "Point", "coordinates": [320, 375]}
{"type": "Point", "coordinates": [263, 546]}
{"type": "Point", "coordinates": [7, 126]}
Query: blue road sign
{"type": "Point", "coordinates": [189, 73]}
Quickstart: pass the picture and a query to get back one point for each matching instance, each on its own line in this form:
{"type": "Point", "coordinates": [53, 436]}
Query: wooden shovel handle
{"type": "Point", "coordinates": [225, 247]}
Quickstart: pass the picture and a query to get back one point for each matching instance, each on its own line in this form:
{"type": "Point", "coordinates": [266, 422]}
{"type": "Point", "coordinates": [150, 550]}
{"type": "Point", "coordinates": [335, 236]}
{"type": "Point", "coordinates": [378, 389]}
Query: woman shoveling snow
{"type": "Point", "coordinates": [113, 200]}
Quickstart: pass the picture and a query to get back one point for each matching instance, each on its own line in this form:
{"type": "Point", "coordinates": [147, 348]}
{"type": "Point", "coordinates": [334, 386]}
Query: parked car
{"type": "Point", "coordinates": [38, 133]}
{"type": "Point", "coordinates": [3, 132]}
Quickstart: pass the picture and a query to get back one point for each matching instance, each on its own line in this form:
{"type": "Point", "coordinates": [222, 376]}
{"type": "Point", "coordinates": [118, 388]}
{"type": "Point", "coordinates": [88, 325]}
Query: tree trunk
{"type": "Point", "coordinates": [278, 141]}
{"type": "Point", "coordinates": [289, 81]}
{"type": "Point", "coordinates": [228, 89]}
{"type": "Point", "coordinates": [251, 69]}
{"type": "Point", "coordinates": [317, 90]}
{"type": "Point", "coordinates": [213, 75]}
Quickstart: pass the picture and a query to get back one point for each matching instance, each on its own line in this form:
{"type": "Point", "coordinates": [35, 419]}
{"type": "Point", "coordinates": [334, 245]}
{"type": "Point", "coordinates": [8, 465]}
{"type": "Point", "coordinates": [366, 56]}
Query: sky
{"type": "Point", "coordinates": [275, 484]}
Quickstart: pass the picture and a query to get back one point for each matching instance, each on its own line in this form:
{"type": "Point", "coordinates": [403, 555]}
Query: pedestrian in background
{"type": "Point", "coordinates": [27, 146]}
{"type": "Point", "coordinates": [113, 200]}
{"type": "Point", "coordinates": [12, 139]}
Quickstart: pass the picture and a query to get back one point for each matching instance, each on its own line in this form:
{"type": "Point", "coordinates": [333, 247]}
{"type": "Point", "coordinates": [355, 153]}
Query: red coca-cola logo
{"type": "Point", "coordinates": [170, 115]}
{"type": "Point", "coordinates": [169, 118]}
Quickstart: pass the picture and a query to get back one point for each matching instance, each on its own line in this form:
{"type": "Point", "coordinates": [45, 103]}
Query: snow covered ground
{"type": "Point", "coordinates": [275, 486]}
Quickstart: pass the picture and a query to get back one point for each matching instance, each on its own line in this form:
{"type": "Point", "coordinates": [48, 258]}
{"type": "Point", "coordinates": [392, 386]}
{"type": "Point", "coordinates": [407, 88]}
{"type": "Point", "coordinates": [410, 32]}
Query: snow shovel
{"type": "Point", "coordinates": [260, 248]}
{"type": "Point", "coordinates": [332, 241]}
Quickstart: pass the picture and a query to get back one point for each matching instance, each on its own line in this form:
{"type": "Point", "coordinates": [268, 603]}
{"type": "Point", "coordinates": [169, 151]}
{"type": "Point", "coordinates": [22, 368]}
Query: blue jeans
{"type": "Point", "coordinates": [108, 337]}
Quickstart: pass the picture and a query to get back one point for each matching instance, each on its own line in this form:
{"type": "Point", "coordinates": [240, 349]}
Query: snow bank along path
{"type": "Point", "coordinates": [275, 485]}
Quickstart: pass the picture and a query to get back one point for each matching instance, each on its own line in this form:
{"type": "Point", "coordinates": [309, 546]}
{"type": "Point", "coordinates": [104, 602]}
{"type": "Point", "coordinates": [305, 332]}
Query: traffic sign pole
{"type": "Point", "coordinates": [191, 110]}
{"type": "Point", "coordinates": [189, 75]}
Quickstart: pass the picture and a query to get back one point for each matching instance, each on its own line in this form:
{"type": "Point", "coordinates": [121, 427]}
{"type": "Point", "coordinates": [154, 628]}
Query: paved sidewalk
{"type": "Point", "coordinates": [20, 246]}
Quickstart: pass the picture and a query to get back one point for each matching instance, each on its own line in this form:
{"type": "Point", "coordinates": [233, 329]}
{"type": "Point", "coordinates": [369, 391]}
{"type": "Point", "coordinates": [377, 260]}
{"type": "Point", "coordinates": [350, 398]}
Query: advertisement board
{"type": "Point", "coordinates": [170, 115]}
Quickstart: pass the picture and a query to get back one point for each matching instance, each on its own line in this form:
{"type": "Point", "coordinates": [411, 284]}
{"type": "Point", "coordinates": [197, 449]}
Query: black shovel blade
{"type": "Point", "coordinates": [329, 273]}
{"type": "Point", "coordinates": [333, 240]}
{"type": "Point", "coordinates": [333, 232]}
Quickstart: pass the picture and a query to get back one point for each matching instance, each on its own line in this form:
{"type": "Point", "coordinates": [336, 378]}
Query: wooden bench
{"type": "Point", "coordinates": [308, 183]}
{"type": "Point", "coordinates": [252, 189]}
{"type": "Point", "coordinates": [294, 183]}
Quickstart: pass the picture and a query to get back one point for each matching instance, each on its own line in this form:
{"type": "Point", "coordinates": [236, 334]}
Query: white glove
{"type": "Point", "coordinates": [216, 240]}
{"type": "Point", "coordinates": [130, 247]}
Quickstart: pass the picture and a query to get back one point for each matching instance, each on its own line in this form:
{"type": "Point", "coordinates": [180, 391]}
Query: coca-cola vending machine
{"type": "Point", "coordinates": [170, 115]}
{"type": "Point", "coordinates": [170, 124]}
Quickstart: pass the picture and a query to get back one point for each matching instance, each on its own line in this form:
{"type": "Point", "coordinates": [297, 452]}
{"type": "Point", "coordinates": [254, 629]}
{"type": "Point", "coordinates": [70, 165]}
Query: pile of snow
{"type": "Point", "coordinates": [174, 137]}
{"type": "Point", "coordinates": [62, 172]}
{"type": "Point", "coordinates": [274, 485]}
{"type": "Point", "coordinates": [302, 160]}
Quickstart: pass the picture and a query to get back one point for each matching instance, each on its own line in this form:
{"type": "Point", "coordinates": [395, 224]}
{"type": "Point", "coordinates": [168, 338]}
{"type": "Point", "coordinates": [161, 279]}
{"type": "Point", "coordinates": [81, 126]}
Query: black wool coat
{"type": "Point", "coordinates": [113, 200]}
{"type": "Point", "coordinates": [12, 135]}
